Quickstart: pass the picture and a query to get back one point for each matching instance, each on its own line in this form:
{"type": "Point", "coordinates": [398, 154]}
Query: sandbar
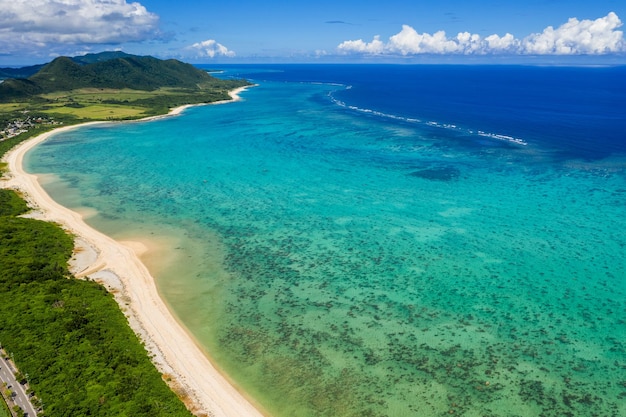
{"type": "Point", "coordinates": [117, 265]}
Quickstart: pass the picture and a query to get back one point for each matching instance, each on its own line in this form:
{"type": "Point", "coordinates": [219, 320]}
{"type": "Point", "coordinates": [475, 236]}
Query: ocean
{"type": "Point", "coordinates": [384, 240]}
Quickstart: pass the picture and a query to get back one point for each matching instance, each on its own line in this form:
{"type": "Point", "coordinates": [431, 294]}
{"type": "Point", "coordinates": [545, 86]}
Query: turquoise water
{"type": "Point", "coordinates": [336, 263]}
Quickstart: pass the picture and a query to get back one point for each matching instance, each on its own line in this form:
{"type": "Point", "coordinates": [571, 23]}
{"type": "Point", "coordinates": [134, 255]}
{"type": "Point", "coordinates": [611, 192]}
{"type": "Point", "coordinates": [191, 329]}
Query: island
{"type": "Point", "coordinates": [86, 344]}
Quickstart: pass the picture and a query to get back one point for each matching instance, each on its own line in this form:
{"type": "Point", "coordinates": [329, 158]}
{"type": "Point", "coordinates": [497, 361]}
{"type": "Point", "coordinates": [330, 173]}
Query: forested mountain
{"type": "Point", "coordinates": [115, 70]}
{"type": "Point", "coordinates": [25, 72]}
{"type": "Point", "coordinates": [100, 57]}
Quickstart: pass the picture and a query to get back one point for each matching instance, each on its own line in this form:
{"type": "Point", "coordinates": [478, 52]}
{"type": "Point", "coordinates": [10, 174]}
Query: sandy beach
{"type": "Point", "coordinates": [117, 265]}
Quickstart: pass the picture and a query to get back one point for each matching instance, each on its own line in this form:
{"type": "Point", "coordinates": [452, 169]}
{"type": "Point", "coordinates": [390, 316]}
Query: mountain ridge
{"type": "Point", "coordinates": [27, 71]}
{"type": "Point", "coordinates": [115, 70]}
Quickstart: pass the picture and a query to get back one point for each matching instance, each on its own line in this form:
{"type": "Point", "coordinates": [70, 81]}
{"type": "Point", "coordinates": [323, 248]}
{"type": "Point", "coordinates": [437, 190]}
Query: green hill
{"type": "Point", "coordinates": [18, 88]}
{"type": "Point", "coordinates": [62, 74]}
{"type": "Point", "coordinates": [25, 72]}
{"type": "Point", "coordinates": [99, 57]}
{"type": "Point", "coordinates": [114, 70]}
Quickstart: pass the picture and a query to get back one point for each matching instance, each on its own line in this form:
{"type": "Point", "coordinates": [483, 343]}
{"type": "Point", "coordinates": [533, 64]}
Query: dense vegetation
{"type": "Point", "coordinates": [25, 72]}
{"type": "Point", "coordinates": [125, 71]}
{"type": "Point", "coordinates": [4, 409]}
{"type": "Point", "coordinates": [69, 336]}
{"type": "Point", "coordinates": [138, 73]}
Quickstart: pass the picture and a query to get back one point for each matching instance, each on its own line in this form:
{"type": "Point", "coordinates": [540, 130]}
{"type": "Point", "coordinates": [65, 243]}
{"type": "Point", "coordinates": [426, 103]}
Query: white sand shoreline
{"type": "Point", "coordinates": [118, 267]}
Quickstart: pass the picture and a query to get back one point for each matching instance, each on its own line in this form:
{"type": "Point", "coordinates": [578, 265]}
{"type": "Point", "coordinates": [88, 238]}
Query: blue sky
{"type": "Point", "coordinates": [34, 31]}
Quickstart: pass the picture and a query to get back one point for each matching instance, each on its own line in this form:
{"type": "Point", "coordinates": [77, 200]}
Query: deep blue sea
{"type": "Point", "coordinates": [578, 112]}
{"type": "Point", "coordinates": [384, 240]}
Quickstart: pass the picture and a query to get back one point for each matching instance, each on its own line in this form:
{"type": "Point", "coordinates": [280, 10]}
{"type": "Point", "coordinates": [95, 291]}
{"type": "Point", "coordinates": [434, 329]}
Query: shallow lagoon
{"type": "Point", "coordinates": [339, 263]}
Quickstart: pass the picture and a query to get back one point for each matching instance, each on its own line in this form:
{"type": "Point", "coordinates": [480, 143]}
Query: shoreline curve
{"type": "Point", "coordinates": [117, 265]}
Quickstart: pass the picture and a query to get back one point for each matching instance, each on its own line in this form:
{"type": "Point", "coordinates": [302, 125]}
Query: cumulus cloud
{"type": "Point", "coordinates": [55, 27]}
{"type": "Point", "coordinates": [43, 23]}
{"type": "Point", "coordinates": [578, 37]}
{"type": "Point", "coordinates": [575, 37]}
{"type": "Point", "coordinates": [210, 49]}
{"type": "Point", "coordinates": [374, 47]}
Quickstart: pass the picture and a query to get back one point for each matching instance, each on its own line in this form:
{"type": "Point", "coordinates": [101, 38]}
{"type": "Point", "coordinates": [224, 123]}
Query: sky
{"type": "Point", "coordinates": [36, 31]}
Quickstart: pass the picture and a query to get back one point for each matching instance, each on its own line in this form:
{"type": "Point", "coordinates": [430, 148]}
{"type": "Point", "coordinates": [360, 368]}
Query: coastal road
{"type": "Point", "coordinates": [20, 398]}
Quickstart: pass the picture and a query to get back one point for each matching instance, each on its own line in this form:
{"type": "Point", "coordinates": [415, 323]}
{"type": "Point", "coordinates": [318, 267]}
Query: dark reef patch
{"type": "Point", "coordinates": [445, 173]}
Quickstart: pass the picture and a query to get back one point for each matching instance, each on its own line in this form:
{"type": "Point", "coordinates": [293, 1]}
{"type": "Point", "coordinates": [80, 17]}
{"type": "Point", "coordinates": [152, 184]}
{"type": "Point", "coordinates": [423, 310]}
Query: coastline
{"type": "Point", "coordinates": [117, 265]}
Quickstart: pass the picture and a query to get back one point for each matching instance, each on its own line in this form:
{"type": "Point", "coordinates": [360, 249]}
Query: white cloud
{"type": "Point", "coordinates": [374, 47]}
{"type": "Point", "coordinates": [210, 49]}
{"type": "Point", "coordinates": [49, 23]}
{"type": "Point", "coordinates": [578, 37]}
{"type": "Point", "coordinates": [575, 37]}
{"type": "Point", "coordinates": [408, 41]}
{"type": "Point", "coordinates": [506, 43]}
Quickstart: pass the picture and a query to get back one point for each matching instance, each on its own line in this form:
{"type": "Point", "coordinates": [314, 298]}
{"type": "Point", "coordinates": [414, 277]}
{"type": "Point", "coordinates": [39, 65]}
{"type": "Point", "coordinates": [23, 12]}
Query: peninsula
{"type": "Point", "coordinates": [108, 373]}
{"type": "Point", "coordinates": [108, 86]}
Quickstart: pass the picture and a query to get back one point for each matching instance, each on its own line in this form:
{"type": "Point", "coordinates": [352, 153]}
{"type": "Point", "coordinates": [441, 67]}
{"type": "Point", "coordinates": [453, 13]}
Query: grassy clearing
{"type": "Point", "coordinates": [88, 104]}
{"type": "Point", "coordinates": [11, 107]}
{"type": "Point", "coordinates": [98, 111]}
{"type": "Point", "coordinates": [92, 95]}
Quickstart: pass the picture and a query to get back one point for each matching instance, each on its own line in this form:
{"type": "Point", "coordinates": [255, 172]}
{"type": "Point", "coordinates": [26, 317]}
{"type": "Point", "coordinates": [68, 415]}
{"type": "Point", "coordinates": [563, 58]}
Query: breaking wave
{"type": "Point", "coordinates": [448, 126]}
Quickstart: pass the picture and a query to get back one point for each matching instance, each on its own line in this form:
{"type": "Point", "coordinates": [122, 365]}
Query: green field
{"type": "Point", "coordinates": [11, 107]}
{"type": "Point", "coordinates": [98, 111]}
{"type": "Point", "coordinates": [99, 94]}
{"type": "Point", "coordinates": [106, 104]}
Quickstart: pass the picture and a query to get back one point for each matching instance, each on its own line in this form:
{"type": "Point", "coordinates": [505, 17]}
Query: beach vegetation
{"type": "Point", "coordinates": [69, 336]}
{"type": "Point", "coordinates": [11, 204]}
